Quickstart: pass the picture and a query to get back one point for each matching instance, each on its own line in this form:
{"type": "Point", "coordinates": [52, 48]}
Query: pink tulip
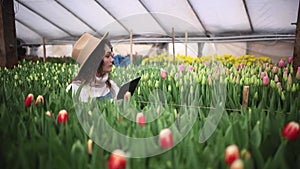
{"type": "Point", "coordinates": [266, 81]}
{"type": "Point", "coordinates": [262, 74]}
{"type": "Point", "coordinates": [274, 69]}
{"type": "Point", "coordinates": [181, 67]}
{"type": "Point", "coordinates": [290, 60]}
{"type": "Point", "coordinates": [191, 68]}
{"type": "Point", "coordinates": [279, 85]}
{"type": "Point", "coordinates": [285, 75]}
{"type": "Point", "coordinates": [281, 63]}
{"type": "Point", "coordinates": [140, 119]}
{"type": "Point", "coordinates": [232, 153]}
{"type": "Point", "coordinates": [163, 74]}
{"type": "Point", "coordinates": [290, 80]}
{"type": "Point", "coordinates": [298, 73]}
{"type": "Point", "coordinates": [165, 139]}
{"type": "Point", "coordinates": [291, 131]}
{"type": "Point", "coordinates": [276, 79]}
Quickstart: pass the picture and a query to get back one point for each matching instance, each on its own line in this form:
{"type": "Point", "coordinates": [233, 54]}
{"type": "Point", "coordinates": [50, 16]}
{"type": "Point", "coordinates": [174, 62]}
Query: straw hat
{"type": "Point", "coordinates": [84, 47]}
{"type": "Point", "coordinates": [88, 51]}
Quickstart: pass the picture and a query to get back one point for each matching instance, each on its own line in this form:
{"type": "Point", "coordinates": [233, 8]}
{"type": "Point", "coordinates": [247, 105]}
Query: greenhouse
{"type": "Point", "coordinates": [174, 84]}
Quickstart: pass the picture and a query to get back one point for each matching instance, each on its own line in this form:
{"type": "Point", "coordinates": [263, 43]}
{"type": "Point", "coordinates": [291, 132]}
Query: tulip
{"type": "Point", "coordinates": [276, 79]}
{"type": "Point", "coordinates": [165, 139]}
{"type": "Point", "coordinates": [181, 67]}
{"type": "Point", "coordinates": [117, 160]}
{"type": "Point", "coordinates": [290, 60]}
{"type": "Point", "coordinates": [279, 85]}
{"type": "Point", "coordinates": [290, 80]}
{"type": "Point", "coordinates": [62, 117]}
{"type": "Point", "coordinates": [237, 164]}
{"type": "Point", "coordinates": [285, 75]}
{"type": "Point", "coordinates": [39, 100]}
{"type": "Point", "coordinates": [29, 100]}
{"type": "Point", "coordinates": [163, 74]}
{"type": "Point", "coordinates": [266, 81]}
{"type": "Point", "coordinates": [232, 153]}
{"type": "Point", "coordinates": [140, 119]}
{"type": "Point", "coordinates": [127, 96]}
{"type": "Point", "coordinates": [298, 73]}
{"type": "Point", "coordinates": [263, 74]}
{"type": "Point", "coordinates": [274, 69]}
{"type": "Point", "coordinates": [291, 131]}
{"type": "Point", "coordinates": [48, 113]}
{"type": "Point", "coordinates": [191, 68]}
{"type": "Point", "coordinates": [281, 63]}
{"type": "Point", "coordinates": [89, 147]}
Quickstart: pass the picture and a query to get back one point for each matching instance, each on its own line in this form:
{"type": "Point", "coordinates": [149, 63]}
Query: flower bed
{"type": "Point", "coordinates": [179, 98]}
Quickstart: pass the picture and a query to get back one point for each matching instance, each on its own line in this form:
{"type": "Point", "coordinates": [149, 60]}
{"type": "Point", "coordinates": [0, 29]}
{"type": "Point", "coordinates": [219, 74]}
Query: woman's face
{"type": "Point", "coordinates": [108, 60]}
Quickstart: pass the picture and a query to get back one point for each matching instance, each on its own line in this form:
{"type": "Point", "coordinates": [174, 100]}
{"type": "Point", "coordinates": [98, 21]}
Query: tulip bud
{"type": "Point", "coordinates": [232, 153]}
{"type": "Point", "coordinates": [274, 69]}
{"type": "Point", "coordinates": [298, 73]}
{"type": "Point", "coordinates": [291, 131]}
{"type": "Point", "coordinates": [89, 147]}
{"type": "Point", "coordinates": [163, 74]}
{"type": "Point", "coordinates": [281, 63]}
{"type": "Point", "coordinates": [48, 113]}
{"type": "Point", "coordinates": [29, 100]}
{"type": "Point", "coordinates": [276, 79]}
{"type": "Point", "coordinates": [117, 160]}
{"type": "Point", "coordinates": [181, 67]}
{"type": "Point", "coordinates": [127, 96]}
{"type": "Point", "coordinates": [266, 80]}
{"type": "Point", "coordinates": [62, 117]}
{"type": "Point", "coordinates": [39, 100]}
{"type": "Point", "coordinates": [290, 60]}
{"type": "Point", "coordinates": [237, 164]}
{"type": "Point", "coordinates": [165, 139]}
{"type": "Point", "coordinates": [191, 68]}
{"type": "Point", "coordinates": [290, 80]}
{"type": "Point", "coordinates": [140, 119]}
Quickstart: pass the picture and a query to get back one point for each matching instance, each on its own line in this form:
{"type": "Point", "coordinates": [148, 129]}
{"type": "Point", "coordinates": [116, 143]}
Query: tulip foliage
{"type": "Point", "coordinates": [192, 109]}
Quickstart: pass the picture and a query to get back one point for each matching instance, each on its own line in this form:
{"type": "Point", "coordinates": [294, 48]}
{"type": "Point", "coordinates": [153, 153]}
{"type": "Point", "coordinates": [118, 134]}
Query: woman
{"type": "Point", "coordinates": [95, 57]}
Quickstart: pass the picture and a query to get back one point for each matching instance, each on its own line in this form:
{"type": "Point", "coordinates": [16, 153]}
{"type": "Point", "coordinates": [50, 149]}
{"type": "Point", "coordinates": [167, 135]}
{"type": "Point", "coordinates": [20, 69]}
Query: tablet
{"type": "Point", "coordinates": [128, 87]}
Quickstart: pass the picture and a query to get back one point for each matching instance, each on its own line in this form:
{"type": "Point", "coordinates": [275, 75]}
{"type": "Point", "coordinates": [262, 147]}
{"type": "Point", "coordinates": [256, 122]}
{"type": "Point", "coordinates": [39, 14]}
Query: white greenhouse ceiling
{"type": "Point", "coordinates": [63, 21]}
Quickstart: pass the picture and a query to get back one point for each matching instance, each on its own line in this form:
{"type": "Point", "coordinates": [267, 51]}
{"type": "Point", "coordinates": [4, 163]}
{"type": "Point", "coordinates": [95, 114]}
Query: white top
{"type": "Point", "coordinates": [94, 90]}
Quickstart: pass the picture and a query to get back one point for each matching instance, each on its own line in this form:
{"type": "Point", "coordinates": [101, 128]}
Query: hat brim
{"type": "Point", "coordinates": [89, 68]}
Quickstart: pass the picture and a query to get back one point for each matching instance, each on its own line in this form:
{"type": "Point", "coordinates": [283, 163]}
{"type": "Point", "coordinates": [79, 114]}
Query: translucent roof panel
{"type": "Point", "coordinates": [133, 15]}
{"type": "Point", "coordinates": [176, 14]}
{"type": "Point", "coordinates": [222, 16]}
{"type": "Point", "coordinates": [275, 16]}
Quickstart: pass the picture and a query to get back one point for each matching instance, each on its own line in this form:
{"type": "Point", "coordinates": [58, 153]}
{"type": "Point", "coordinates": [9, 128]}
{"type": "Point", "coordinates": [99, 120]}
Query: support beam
{"type": "Point", "coordinates": [296, 56]}
{"type": "Point", "coordinates": [8, 41]}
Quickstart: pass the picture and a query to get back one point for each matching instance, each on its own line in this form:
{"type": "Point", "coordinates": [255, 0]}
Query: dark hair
{"type": "Point", "coordinates": [100, 72]}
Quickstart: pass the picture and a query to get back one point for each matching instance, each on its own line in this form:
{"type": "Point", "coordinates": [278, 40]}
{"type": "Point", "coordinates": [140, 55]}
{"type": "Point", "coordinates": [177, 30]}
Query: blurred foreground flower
{"type": "Point", "coordinates": [165, 139]}
{"type": "Point", "coordinates": [62, 117]}
{"type": "Point", "coordinates": [291, 131]}
{"type": "Point", "coordinates": [29, 100]}
{"type": "Point", "coordinates": [117, 160]}
{"type": "Point", "coordinates": [237, 164]}
{"type": "Point", "coordinates": [89, 147]}
{"type": "Point", "coordinates": [232, 153]}
{"type": "Point", "coordinates": [140, 119]}
{"type": "Point", "coordinates": [127, 96]}
{"type": "Point", "coordinates": [298, 73]}
{"type": "Point", "coordinates": [163, 74]}
{"type": "Point", "coordinates": [48, 113]}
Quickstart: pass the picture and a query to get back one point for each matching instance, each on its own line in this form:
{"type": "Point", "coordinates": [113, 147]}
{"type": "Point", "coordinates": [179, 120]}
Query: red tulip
{"type": "Point", "coordinates": [140, 119]}
{"type": "Point", "coordinates": [237, 164]}
{"type": "Point", "coordinates": [39, 100]}
{"type": "Point", "coordinates": [62, 117]}
{"type": "Point", "coordinates": [290, 60]}
{"type": "Point", "coordinates": [127, 96]}
{"type": "Point", "coordinates": [117, 160]}
{"type": "Point", "coordinates": [291, 131]}
{"type": "Point", "coordinates": [165, 139]}
{"type": "Point", "coordinates": [29, 100]}
{"type": "Point", "coordinates": [232, 153]}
